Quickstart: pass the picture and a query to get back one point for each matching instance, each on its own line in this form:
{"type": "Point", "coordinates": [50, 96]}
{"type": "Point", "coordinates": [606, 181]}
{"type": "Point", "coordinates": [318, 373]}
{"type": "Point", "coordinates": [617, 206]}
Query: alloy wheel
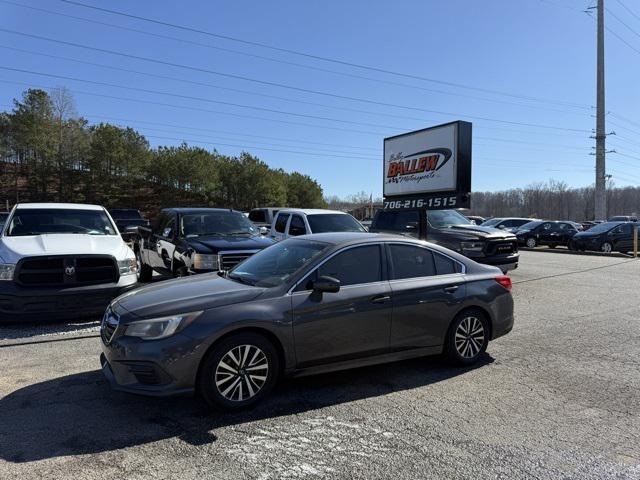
{"type": "Point", "coordinates": [139, 262]}
{"type": "Point", "coordinates": [531, 242]}
{"type": "Point", "coordinates": [469, 337]}
{"type": "Point", "coordinates": [606, 247]}
{"type": "Point", "coordinates": [241, 373]}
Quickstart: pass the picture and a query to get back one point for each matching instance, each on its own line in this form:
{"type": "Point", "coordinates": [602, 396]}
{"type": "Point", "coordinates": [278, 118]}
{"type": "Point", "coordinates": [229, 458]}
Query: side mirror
{"type": "Point", "coordinates": [264, 230]}
{"type": "Point", "coordinates": [326, 284]}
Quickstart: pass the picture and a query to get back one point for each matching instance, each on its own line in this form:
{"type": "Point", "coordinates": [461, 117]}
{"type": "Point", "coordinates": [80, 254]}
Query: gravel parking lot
{"type": "Point", "coordinates": [559, 397]}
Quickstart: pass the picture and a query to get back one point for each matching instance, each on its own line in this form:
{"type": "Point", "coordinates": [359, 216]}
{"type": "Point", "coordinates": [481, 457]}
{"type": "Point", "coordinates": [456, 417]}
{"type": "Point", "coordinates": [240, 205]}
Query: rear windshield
{"type": "Point", "coordinates": [530, 225]}
{"type": "Point", "coordinates": [603, 227]}
{"type": "Point", "coordinates": [125, 214]}
{"type": "Point", "coordinates": [28, 221]}
{"type": "Point", "coordinates": [397, 221]}
{"type": "Point", "coordinates": [333, 222]}
{"type": "Point", "coordinates": [258, 216]}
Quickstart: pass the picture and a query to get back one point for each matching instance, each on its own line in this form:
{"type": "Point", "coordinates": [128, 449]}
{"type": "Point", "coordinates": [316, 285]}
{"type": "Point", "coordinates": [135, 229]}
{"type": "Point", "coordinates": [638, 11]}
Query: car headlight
{"type": "Point", "coordinates": [6, 271]}
{"type": "Point", "coordinates": [205, 262]}
{"type": "Point", "coordinates": [128, 266]}
{"type": "Point", "coordinates": [162, 327]}
{"type": "Point", "coordinates": [472, 246]}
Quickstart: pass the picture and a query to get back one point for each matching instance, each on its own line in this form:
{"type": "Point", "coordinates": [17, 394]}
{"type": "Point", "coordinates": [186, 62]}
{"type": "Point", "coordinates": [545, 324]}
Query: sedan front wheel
{"type": "Point", "coordinates": [239, 371]}
{"type": "Point", "coordinates": [531, 242]}
{"type": "Point", "coordinates": [607, 247]}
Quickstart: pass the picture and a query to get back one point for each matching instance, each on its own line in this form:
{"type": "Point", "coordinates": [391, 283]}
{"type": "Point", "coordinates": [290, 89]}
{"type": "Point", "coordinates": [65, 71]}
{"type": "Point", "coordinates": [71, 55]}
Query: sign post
{"type": "Point", "coordinates": [635, 242]}
{"type": "Point", "coordinates": [428, 169]}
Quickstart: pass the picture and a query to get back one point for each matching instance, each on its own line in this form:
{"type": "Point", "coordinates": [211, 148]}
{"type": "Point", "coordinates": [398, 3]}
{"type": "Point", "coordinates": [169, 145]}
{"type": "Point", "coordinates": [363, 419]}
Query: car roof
{"type": "Point", "coordinates": [312, 211]}
{"type": "Point", "coordinates": [199, 210]}
{"type": "Point", "coordinates": [66, 206]}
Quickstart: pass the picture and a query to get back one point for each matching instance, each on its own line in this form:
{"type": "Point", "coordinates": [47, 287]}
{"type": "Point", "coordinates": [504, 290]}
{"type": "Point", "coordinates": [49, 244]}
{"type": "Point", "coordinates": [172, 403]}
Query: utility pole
{"type": "Point", "coordinates": [600, 192]}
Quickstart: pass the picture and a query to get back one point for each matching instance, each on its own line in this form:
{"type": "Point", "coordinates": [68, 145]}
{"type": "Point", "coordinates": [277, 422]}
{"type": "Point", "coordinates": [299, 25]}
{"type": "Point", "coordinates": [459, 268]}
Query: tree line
{"type": "Point", "coordinates": [50, 153]}
{"type": "Point", "coordinates": [554, 200]}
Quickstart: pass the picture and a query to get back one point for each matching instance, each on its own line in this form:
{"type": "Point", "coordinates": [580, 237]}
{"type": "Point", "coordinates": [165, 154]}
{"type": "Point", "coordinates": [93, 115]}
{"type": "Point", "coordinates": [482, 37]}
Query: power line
{"type": "Point", "coordinates": [628, 9]}
{"type": "Point", "coordinates": [312, 56]}
{"type": "Point", "coordinates": [290, 87]}
{"type": "Point", "coordinates": [210, 85]}
{"type": "Point", "coordinates": [622, 22]}
{"type": "Point", "coordinates": [285, 62]}
{"type": "Point", "coordinates": [207, 100]}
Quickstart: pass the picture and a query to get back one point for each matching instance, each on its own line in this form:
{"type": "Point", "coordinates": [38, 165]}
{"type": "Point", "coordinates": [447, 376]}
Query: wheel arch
{"type": "Point", "coordinates": [273, 338]}
{"type": "Point", "coordinates": [477, 308]}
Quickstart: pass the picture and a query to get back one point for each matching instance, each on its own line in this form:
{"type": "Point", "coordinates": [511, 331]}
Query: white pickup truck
{"type": "Point", "coordinates": [61, 261]}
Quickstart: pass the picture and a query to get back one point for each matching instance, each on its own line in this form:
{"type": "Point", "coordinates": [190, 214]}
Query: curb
{"type": "Point", "coordinates": [572, 252]}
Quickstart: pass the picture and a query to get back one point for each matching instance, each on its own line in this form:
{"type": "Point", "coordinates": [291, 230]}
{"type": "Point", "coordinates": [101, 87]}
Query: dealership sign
{"type": "Point", "coordinates": [428, 168]}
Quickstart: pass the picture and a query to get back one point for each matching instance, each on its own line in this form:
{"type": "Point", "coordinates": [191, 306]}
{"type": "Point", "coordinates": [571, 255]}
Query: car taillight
{"type": "Point", "coordinates": [504, 281]}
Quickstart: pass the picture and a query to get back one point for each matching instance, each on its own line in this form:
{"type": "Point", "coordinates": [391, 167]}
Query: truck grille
{"type": "Point", "coordinates": [228, 260]}
{"type": "Point", "coordinates": [108, 326]}
{"type": "Point", "coordinates": [67, 270]}
{"type": "Point", "coordinates": [501, 247]}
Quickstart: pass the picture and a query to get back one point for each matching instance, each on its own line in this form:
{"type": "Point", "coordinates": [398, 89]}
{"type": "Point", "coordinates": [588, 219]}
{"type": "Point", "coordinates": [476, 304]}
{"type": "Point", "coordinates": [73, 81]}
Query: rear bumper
{"type": "Point", "coordinates": [21, 304]}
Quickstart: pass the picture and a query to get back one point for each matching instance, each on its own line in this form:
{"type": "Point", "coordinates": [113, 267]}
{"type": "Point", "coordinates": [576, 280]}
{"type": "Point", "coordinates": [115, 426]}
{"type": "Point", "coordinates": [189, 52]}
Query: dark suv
{"type": "Point", "coordinates": [452, 230]}
{"type": "Point", "coordinates": [184, 241]}
{"type": "Point", "coordinates": [606, 237]}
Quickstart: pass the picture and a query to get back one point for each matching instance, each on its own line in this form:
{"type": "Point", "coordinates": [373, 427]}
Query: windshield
{"type": "Point", "coordinates": [530, 225]}
{"type": "Point", "coordinates": [216, 223]}
{"type": "Point", "coordinates": [603, 227]}
{"type": "Point", "coordinates": [446, 218]}
{"type": "Point", "coordinates": [333, 222]}
{"type": "Point", "coordinates": [491, 222]}
{"type": "Point", "coordinates": [28, 221]}
{"type": "Point", "coordinates": [274, 265]}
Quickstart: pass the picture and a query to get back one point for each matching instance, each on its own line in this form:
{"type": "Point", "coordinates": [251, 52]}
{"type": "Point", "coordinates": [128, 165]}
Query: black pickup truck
{"type": "Point", "coordinates": [452, 230]}
{"type": "Point", "coordinates": [185, 241]}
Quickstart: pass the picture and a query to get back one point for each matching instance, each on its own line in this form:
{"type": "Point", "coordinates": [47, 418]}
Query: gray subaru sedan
{"type": "Point", "coordinates": [306, 305]}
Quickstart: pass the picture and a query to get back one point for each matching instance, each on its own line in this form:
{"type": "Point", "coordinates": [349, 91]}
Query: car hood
{"type": "Point", "coordinates": [588, 234]}
{"type": "Point", "coordinates": [217, 243]}
{"type": "Point", "coordinates": [184, 295]}
{"type": "Point", "coordinates": [13, 249]}
{"type": "Point", "coordinates": [479, 232]}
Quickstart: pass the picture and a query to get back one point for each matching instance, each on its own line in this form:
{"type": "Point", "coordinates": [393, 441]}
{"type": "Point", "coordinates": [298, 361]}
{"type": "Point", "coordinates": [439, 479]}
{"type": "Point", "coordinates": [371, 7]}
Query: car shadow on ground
{"type": "Point", "coordinates": [79, 414]}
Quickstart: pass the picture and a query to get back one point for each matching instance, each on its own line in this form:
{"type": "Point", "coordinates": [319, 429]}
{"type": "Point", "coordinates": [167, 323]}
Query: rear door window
{"type": "Point", "coordinates": [411, 262]}
{"type": "Point", "coordinates": [281, 222]}
{"type": "Point", "coordinates": [296, 226]}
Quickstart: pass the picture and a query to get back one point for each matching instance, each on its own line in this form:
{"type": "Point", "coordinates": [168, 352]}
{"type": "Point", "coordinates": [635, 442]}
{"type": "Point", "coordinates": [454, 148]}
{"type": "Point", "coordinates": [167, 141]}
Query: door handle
{"type": "Point", "coordinates": [380, 299]}
{"type": "Point", "coordinates": [451, 289]}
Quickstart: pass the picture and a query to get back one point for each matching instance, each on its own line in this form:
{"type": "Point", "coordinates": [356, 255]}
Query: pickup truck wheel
{"type": "Point", "coordinates": [180, 272]}
{"type": "Point", "coordinates": [144, 271]}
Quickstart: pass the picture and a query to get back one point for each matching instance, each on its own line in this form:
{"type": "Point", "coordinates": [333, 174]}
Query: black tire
{"type": "Point", "coordinates": [572, 246]}
{"type": "Point", "coordinates": [552, 245]}
{"type": "Point", "coordinates": [531, 242]}
{"type": "Point", "coordinates": [180, 271]}
{"type": "Point", "coordinates": [145, 272]}
{"type": "Point", "coordinates": [464, 351]}
{"type": "Point", "coordinates": [606, 247]}
{"type": "Point", "coordinates": [215, 379]}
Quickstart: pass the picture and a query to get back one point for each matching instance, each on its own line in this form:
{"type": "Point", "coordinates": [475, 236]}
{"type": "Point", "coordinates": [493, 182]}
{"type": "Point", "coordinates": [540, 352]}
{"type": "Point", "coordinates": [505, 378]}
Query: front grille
{"type": "Point", "coordinates": [67, 270]}
{"type": "Point", "coordinates": [501, 247]}
{"type": "Point", "coordinates": [108, 326]}
{"type": "Point", "coordinates": [228, 260]}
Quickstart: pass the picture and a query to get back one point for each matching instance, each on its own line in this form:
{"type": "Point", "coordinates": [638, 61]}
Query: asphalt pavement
{"type": "Point", "coordinates": [557, 398]}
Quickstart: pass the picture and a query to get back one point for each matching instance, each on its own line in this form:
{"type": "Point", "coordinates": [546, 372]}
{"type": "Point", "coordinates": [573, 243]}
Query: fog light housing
{"type": "Point", "coordinates": [6, 271]}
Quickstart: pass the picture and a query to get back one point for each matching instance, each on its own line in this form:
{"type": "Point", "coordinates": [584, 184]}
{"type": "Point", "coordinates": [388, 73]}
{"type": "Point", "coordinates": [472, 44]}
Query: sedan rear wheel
{"type": "Point", "coordinates": [607, 247]}
{"type": "Point", "coordinates": [239, 371]}
{"type": "Point", "coordinates": [468, 338]}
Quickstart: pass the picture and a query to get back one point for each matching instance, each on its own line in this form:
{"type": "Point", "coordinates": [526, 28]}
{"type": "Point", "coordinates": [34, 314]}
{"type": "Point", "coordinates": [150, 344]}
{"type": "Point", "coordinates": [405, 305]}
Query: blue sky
{"type": "Point", "coordinates": [532, 48]}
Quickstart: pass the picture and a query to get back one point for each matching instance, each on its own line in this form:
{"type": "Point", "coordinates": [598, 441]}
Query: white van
{"type": "Point", "coordinates": [61, 261]}
{"type": "Point", "coordinates": [294, 222]}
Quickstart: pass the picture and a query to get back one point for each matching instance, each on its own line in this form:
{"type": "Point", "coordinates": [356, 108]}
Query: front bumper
{"type": "Point", "coordinates": [157, 368]}
{"type": "Point", "coordinates": [504, 262]}
{"type": "Point", "coordinates": [19, 304]}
